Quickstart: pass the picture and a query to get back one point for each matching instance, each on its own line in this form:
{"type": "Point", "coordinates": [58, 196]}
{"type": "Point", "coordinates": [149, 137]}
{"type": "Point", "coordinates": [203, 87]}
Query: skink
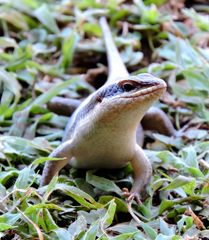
{"type": "Point", "coordinates": [102, 131]}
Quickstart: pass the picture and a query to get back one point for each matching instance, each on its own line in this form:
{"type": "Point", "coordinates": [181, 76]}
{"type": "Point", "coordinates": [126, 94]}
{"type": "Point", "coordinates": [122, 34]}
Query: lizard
{"type": "Point", "coordinates": [101, 133]}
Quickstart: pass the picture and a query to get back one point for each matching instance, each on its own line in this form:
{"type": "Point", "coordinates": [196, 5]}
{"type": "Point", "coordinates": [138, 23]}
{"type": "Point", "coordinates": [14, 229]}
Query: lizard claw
{"type": "Point", "coordinates": [134, 196]}
{"type": "Point", "coordinates": [130, 196]}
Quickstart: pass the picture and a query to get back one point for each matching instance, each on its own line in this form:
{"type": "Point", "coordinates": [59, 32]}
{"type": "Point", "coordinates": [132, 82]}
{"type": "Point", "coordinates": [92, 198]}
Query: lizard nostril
{"type": "Point", "coordinates": [128, 87]}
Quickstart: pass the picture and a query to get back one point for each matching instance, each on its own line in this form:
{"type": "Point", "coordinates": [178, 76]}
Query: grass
{"type": "Point", "coordinates": [45, 48]}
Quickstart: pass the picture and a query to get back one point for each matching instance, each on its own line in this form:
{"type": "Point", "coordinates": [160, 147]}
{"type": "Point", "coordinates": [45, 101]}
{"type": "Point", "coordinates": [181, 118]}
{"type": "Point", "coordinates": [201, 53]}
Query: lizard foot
{"type": "Point", "coordinates": [130, 196]}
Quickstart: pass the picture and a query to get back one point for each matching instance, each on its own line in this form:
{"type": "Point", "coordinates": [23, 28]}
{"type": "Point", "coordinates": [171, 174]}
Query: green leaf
{"type": "Point", "coordinates": [205, 189]}
{"type": "Point", "coordinates": [80, 196]}
{"type": "Point", "coordinates": [124, 236]}
{"type": "Point", "coordinates": [197, 78]}
{"type": "Point", "coordinates": [169, 140]}
{"type": "Point", "coordinates": [109, 216]}
{"type": "Point", "coordinates": [196, 134]}
{"type": "Point", "coordinates": [149, 230]}
{"type": "Point", "coordinates": [166, 229]}
{"type": "Point", "coordinates": [51, 186]}
{"type": "Point", "coordinates": [195, 172]}
{"type": "Point", "coordinates": [63, 234]}
{"type": "Point", "coordinates": [68, 49]}
{"type": "Point", "coordinates": [150, 15]}
{"type": "Point", "coordinates": [168, 157]}
{"type": "Point", "coordinates": [47, 222]}
{"type": "Point", "coordinates": [45, 159]}
{"type": "Point", "coordinates": [102, 183]}
{"type": "Point", "coordinates": [200, 21]}
{"type": "Point", "coordinates": [16, 18]}
{"type": "Point", "coordinates": [30, 132]}
{"type": "Point", "coordinates": [40, 48]}
{"type": "Point", "coordinates": [156, 2]}
{"type": "Point", "coordinates": [45, 97]}
{"type": "Point", "coordinates": [92, 232]}
{"type": "Point", "coordinates": [166, 204]}
{"type": "Point", "coordinates": [45, 16]}
{"type": "Point", "coordinates": [10, 84]}
{"type": "Point", "coordinates": [22, 147]}
{"type": "Point", "coordinates": [26, 76]}
{"type": "Point", "coordinates": [190, 187]}
{"type": "Point", "coordinates": [88, 4]}
{"type": "Point", "coordinates": [4, 227]}
{"type": "Point", "coordinates": [3, 191]}
{"type": "Point", "coordinates": [181, 52]}
{"type": "Point", "coordinates": [10, 218]}
{"type": "Point", "coordinates": [185, 222]}
{"type": "Point", "coordinates": [23, 179]}
{"type": "Point", "coordinates": [24, 5]}
{"type": "Point", "coordinates": [78, 226]}
{"type": "Point", "coordinates": [158, 183]}
{"type": "Point", "coordinates": [6, 42]}
{"type": "Point", "coordinates": [179, 181]}
{"type": "Point", "coordinates": [103, 237]}
{"type": "Point", "coordinates": [6, 175]}
{"type": "Point", "coordinates": [20, 120]}
{"type": "Point", "coordinates": [33, 209]}
{"type": "Point", "coordinates": [92, 29]}
{"type": "Point", "coordinates": [164, 237]}
{"type": "Point", "coordinates": [121, 205]}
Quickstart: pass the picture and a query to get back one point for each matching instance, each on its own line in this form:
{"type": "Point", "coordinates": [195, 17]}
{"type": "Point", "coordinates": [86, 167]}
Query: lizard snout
{"type": "Point", "coordinates": [149, 80]}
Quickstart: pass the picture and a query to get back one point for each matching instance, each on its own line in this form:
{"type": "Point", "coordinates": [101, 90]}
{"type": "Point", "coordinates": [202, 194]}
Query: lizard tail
{"type": "Point", "coordinates": [116, 66]}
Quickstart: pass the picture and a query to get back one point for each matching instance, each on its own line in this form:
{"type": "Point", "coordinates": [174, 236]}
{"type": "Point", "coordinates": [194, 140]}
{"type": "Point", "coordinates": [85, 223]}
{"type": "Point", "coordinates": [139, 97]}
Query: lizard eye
{"type": "Point", "coordinates": [128, 87]}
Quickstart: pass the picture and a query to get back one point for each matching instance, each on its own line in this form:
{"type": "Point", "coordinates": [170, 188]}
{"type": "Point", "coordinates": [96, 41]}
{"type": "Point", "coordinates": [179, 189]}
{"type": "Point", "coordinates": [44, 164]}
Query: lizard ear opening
{"type": "Point", "coordinates": [99, 99]}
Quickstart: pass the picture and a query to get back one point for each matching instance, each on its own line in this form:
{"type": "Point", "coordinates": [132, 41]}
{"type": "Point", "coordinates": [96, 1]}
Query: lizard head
{"type": "Point", "coordinates": [128, 98]}
{"type": "Point", "coordinates": [121, 104]}
{"type": "Point", "coordinates": [134, 92]}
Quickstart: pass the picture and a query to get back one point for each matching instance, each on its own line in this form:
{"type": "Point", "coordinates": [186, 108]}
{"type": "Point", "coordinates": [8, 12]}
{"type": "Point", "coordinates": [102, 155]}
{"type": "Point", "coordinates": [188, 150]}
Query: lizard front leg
{"type": "Point", "coordinates": [52, 168]}
{"type": "Point", "coordinates": [142, 174]}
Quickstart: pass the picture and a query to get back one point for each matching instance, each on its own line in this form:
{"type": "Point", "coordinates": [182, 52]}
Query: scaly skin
{"type": "Point", "coordinates": [102, 131]}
